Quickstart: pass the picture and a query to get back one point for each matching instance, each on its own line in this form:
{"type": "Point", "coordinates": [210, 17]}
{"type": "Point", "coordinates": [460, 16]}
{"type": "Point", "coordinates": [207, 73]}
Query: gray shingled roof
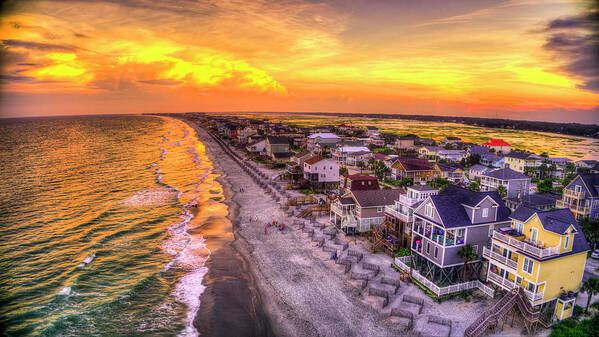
{"type": "Point", "coordinates": [505, 174]}
{"type": "Point", "coordinates": [371, 198]}
{"type": "Point", "coordinates": [450, 205]}
{"type": "Point", "coordinates": [278, 140]}
{"type": "Point", "coordinates": [539, 199]}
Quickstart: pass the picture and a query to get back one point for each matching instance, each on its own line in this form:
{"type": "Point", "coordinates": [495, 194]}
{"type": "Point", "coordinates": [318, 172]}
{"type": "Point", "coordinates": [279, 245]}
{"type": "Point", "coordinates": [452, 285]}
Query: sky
{"type": "Point", "coordinates": [518, 59]}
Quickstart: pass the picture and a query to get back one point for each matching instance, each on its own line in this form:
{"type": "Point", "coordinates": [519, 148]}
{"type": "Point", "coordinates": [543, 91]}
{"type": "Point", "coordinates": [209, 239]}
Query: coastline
{"type": "Point", "coordinates": [230, 304]}
{"type": "Point", "coordinates": [294, 292]}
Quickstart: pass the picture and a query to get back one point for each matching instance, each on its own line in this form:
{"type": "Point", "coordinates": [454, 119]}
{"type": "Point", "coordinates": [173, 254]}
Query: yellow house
{"type": "Point", "coordinates": [544, 252]}
{"type": "Point", "coordinates": [518, 161]}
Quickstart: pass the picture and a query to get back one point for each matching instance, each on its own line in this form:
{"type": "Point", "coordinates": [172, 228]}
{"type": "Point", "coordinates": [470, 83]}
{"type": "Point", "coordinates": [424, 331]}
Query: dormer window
{"type": "Point", "coordinates": [485, 212]}
{"type": "Point", "coordinates": [577, 188]}
{"type": "Point", "coordinates": [567, 243]}
{"type": "Point", "coordinates": [428, 210]}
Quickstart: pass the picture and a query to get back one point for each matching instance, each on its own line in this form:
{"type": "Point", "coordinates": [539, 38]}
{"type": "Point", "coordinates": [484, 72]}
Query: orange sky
{"type": "Point", "coordinates": [479, 57]}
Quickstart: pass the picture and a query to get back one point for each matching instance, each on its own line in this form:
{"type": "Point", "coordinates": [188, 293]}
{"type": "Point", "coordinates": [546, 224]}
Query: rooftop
{"type": "Point", "coordinates": [496, 142]}
{"type": "Point", "coordinates": [505, 173]}
{"type": "Point", "coordinates": [277, 140]}
{"type": "Point", "coordinates": [414, 164]}
{"type": "Point", "coordinates": [324, 135]}
{"type": "Point", "coordinates": [370, 198]}
{"type": "Point", "coordinates": [313, 160]}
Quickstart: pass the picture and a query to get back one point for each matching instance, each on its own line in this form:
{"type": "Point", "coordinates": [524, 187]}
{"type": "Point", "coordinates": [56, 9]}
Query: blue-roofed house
{"type": "Point", "coordinates": [581, 196]}
{"type": "Point", "coordinates": [543, 252]}
{"type": "Point", "coordinates": [477, 170]}
{"type": "Point", "coordinates": [492, 160]}
{"type": "Point", "coordinates": [516, 183]}
{"type": "Point", "coordinates": [446, 222]}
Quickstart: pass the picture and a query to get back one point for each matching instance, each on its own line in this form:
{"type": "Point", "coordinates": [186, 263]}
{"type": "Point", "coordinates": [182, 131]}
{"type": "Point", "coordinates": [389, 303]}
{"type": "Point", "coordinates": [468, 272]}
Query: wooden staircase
{"type": "Point", "coordinates": [312, 209]}
{"type": "Point", "coordinates": [380, 239]}
{"type": "Point", "coordinates": [498, 312]}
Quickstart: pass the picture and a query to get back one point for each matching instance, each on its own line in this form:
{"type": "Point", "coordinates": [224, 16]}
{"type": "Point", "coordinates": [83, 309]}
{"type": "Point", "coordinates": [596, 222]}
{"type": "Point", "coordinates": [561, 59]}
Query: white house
{"type": "Point", "coordinates": [451, 155]}
{"type": "Point", "coordinates": [324, 139]}
{"type": "Point", "coordinates": [351, 155]}
{"type": "Point", "coordinates": [321, 172]}
{"type": "Point", "coordinates": [257, 147]}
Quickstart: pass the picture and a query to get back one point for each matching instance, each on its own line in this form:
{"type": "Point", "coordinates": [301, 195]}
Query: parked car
{"type": "Point", "coordinates": [595, 254]}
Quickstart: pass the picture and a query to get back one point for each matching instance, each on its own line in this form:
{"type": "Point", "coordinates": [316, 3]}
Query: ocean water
{"type": "Point", "coordinates": [95, 214]}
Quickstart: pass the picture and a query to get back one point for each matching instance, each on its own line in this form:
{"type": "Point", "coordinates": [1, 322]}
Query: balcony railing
{"type": "Point", "coordinates": [394, 212]}
{"type": "Point", "coordinates": [506, 283]}
{"type": "Point", "coordinates": [580, 209]}
{"type": "Point", "coordinates": [404, 199]}
{"type": "Point", "coordinates": [500, 280]}
{"type": "Point", "coordinates": [491, 255]}
{"type": "Point", "coordinates": [526, 247]}
{"type": "Point", "coordinates": [335, 208]}
{"type": "Point", "coordinates": [573, 194]}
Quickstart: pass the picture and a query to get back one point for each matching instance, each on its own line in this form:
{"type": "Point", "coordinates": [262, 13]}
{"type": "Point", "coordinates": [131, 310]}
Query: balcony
{"type": "Point", "coordinates": [573, 194]}
{"type": "Point", "coordinates": [491, 255]}
{"type": "Point", "coordinates": [515, 240]}
{"type": "Point", "coordinates": [504, 282]}
{"type": "Point", "coordinates": [533, 297]}
{"type": "Point", "coordinates": [404, 199]}
{"type": "Point", "coordinates": [394, 212]}
{"type": "Point", "coordinates": [579, 209]}
{"type": "Point", "coordinates": [336, 208]}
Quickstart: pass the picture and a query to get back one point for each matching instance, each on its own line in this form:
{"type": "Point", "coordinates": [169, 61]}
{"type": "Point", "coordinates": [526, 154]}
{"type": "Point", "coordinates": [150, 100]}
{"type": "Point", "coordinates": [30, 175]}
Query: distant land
{"type": "Point", "coordinates": [573, 129]}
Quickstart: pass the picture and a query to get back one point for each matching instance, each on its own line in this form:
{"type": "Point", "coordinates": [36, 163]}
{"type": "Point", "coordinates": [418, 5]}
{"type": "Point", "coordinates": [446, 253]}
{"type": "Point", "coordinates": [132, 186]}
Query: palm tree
{"type": "Point", "coordinates": [502, 191]}
{"type": "Point", "coordinates": [360, 165]}
{"type": "Point", "coordinates": [591, 287]}
{"type": "Point", "coordinates": [371, 163]}
{"type": "Point", "coordinates": [467, 253]}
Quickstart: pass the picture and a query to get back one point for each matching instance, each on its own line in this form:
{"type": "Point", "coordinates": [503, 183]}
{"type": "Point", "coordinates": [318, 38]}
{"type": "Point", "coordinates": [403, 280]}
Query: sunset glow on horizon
{"type": "Point", "coordinates": [520, 59]}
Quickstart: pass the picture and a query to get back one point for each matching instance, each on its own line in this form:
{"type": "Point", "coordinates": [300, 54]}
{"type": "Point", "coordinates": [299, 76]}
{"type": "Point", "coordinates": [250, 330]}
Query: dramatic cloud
{"type": "Point", "coordinates": [575, 40]}
{"type": "Point", "coordinates": [39, 46]}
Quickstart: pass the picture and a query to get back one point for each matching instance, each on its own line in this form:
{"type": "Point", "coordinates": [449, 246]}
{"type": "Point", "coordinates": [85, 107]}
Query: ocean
{"type": "Point", "coordinates": [95, 225]}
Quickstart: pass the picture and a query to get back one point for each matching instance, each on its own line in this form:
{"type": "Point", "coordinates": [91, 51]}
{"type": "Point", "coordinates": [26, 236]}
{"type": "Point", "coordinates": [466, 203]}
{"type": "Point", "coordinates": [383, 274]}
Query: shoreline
{"type": "Point", "coordinates": [296, 290]}
{"type": "Point", "coordinates": [231, 303]}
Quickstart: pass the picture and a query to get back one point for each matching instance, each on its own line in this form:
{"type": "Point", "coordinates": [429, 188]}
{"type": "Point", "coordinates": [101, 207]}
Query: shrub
{"type": "Point", "coordinates": [403, 252]}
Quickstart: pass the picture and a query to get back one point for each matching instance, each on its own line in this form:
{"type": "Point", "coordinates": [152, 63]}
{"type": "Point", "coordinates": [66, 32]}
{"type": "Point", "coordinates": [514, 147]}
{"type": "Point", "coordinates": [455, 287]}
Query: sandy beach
{"type": "Point", "coordinates": [300, 289]}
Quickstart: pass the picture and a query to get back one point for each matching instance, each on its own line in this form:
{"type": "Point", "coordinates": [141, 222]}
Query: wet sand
{"type": "Point", "coordinates": [286, 282]}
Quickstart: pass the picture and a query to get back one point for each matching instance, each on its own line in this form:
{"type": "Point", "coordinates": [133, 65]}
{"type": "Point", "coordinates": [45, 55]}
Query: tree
{"type": "Point", "coordinates": [404, 182]}
{"type": "Point", "coordinates": [591, 287]}
{"type": "Point", "coordinates": [590, 229]}
{"type": "Point", "coordinates": [543, 169]}
{"type": "Point", "coordinates": [467, 253]}
{"type": "Point", "coordinates": [360, 165]}
{"type": "Point", "coordinates": [343, 170]}
{"type": "Point", "coordinates": [545, 186]}
{"type": "Point", "coordinates": [371, 163]}
{"type": "Point", "coordinates": [474, 186]}
{"type": "Point", "coordinates": [502, 191]}
{"type": "Point", "coordinates": [448, 146]}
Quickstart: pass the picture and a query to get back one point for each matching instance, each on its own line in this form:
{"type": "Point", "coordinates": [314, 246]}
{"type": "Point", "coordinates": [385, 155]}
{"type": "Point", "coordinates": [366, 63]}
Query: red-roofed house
{"type": "Point", "coordinates": [498, 145]}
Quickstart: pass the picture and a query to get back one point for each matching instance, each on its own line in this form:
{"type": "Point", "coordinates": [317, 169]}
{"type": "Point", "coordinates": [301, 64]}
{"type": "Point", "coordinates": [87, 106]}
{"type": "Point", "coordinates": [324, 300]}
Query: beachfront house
{"type": "Point", "coordinates": [420, 170]}
{"type": "Point", "coordinates": [277, 147]}
{"type": "Point", "coordinates": [450, 171]}
{"type": "Point", "coordinates": [323, 140]}
{"type": "Point", "coordinates": [581, 196]}
{"type": "Point", "coordinates": [321, 172]}
{"type": "Point", "coordinates": [300, 157]}
{"type": "Point", "coordinates": [516, 183]}
{"type": "Point", "coordinates": [520, 161]}
{"type": "Point", "coordinates": [498, 146]}
{"type": "Point", "coordinates": [400, 215]}
{"type": "Point", "coordinates": [258, 146]}
{"type": "Point", "coordinates": [446, 222]}
{"type": "Point", "coordinates": [361, 210]}
{"type": "Point", "coordinates": [543, 252]}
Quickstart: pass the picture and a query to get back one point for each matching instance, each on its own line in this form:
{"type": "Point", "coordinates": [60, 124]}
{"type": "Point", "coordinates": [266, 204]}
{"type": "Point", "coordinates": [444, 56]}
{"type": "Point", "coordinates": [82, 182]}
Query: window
{"type": "Point", "coordinates": [527, 265]}
{"type": "Point", "coordinates": [577, 188]}
{"type": "Point", "coordinates": [379, 209]}
{"type": "Point", "coordinates": [534, 235]}
{"type": "Point", "coordinates": [518, 280]}
{"type": "Point", "coordinates": [428, 210]}
{"type": "Point", "coordinates": [428, 247]}
{"type": "Point", "coordinates": [436, 251]}
{"type": "Point", "coordinates": [567, 243]}
{"type": "Point", "coordinates": [485, 212]}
